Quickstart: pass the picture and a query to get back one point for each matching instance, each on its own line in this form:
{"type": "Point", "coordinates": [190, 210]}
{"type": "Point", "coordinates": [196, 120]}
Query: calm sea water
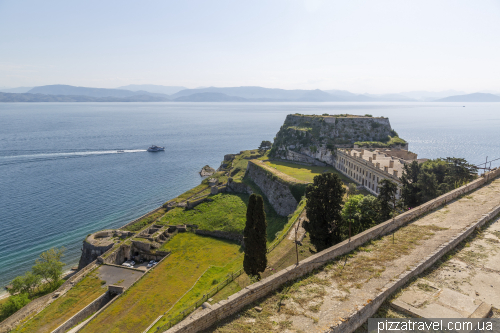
{"type": "Point", "coordinates": [61, 177]}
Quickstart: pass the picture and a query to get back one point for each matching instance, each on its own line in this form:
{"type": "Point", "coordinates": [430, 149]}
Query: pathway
{"type": "Point", "coordinates": [320, 302]}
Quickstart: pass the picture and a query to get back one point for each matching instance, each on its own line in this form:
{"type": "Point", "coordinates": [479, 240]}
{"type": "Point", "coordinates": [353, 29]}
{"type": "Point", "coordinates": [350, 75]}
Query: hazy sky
{"type": "Point", "coordinates": [361, 46]}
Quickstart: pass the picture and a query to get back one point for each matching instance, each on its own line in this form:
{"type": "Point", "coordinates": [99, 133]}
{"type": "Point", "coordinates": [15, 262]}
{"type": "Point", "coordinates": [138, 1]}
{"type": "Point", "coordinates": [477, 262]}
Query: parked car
{"type": "Point", "coordinates": [152, 263]}
{"type": "Point", "coordinates": [126, 264]}
{"type": "Point", "coordinates": [132, 263]}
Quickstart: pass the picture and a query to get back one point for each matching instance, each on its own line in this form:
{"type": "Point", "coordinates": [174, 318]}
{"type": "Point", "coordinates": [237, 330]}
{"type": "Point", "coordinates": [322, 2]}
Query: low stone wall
{"type": "Point", "coordinates": [140, 218]}
{"type": "Point", "coordinates": [37, 305]}
{"type": "Point", "coordinates": [218, 189]}
{"type": "Point", "coordinates": [235, 187]}
{"type": "Point", "coordinates": [221, 234]}
{"type": "Point", "coordinates": [93, 307]}
{"type": "Point", "coordinates": [209, 316]}
{"type": "Point", "coordinates": [277, 192]}
{"type": "Point", "coordinates": [190, 204]}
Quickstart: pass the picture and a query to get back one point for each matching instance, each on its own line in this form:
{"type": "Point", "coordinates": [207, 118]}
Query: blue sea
{"type": "Point", "coordinates": [62, 178]}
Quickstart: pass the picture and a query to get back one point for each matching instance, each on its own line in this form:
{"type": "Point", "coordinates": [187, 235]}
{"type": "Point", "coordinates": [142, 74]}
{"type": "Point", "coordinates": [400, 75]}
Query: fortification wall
{"type": "Point", "coordinates": [221, 234]}
{"type": "Point", "coordinates": [195, 202]}
{"type": "Point", "coordinates": [98, 303]}
{"type": "Point", "coordinates": [234, 187]}
{"type": "Point", "coordinates": [90, 253]}
{"type": "Point", "coordinates": [207, 317]}
{"type": "Point", "coordinates": [116, 257]}
{"type": "Point", "coordinates": [278, 193]}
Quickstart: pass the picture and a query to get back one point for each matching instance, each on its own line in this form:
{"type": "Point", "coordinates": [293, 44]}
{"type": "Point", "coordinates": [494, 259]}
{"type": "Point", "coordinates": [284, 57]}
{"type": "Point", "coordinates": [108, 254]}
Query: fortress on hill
{"type": "Point", "coordinates": [363, 148]}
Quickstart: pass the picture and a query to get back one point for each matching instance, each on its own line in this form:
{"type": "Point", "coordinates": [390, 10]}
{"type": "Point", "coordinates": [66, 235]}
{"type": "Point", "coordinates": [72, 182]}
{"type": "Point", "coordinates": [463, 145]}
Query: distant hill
{"type": "Point", "coordinates": [263, 94]}
{"type": "Point", "coordinates": [430, 95]}
{"type": "Point", "coordinates": [347, 96]}
{"type": "Point", "coordinates": [60, 89]}
{"type": "Point", "coordinates": [210, 97]}
{"type": "Point", "coordinates": [152, 88]}
{"type": "Point", "coordinates": [12, 97]}
{"type": "Point", "coordinates": [391, 98]}
{"type": "Point", "coordinates": [476, 97]}
{"type": "Point", "coordinates": [16, 90]}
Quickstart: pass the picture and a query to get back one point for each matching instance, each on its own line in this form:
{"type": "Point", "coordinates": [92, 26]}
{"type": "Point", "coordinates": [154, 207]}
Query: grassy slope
{"type": "Point", "coordinates": [157, 291]}
{"type": "Point", "coordinates": [65, 307]}
{"type": "Point", "coordinates": [226, 213]}
{"type": "Point", "coordinates": [301, 172]}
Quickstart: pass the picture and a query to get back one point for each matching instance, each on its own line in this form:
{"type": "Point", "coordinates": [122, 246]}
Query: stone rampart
{"type": "Point", "coordinates": [236, 187]}
{"type": "Point", "coordinates": [93, 307]}
{"type": "Point", "coordinates": [221, 234]}
{"type": "Point", "coordinates": [37, 305]}
{"type": "Point", "coordinates": [207, 317]}
{"type": "Point", "coordinates": [277, 192]}
{"type": "Point", "coordinates": [190, 204]}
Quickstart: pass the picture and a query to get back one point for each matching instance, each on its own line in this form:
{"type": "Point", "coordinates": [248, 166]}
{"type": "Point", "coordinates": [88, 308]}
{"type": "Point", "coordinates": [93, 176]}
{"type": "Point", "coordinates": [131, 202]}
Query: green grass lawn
{"type": "Point", "coordinates": [78, 297]}
{"type": "Point", "coordinates": [301, 172]}
{"type": "Point", "coordinates": [227, 212]}
{"type": "Point", "coordinates": [158, 290]}
{"type": "Point", "coordinates": [209, 280]}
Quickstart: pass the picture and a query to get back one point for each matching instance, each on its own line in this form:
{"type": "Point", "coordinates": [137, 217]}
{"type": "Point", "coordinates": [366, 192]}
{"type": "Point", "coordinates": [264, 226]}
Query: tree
{"type": "Point", "coordinates": [351, 189]}
{"type": "Point", "coordinates": [255, 237]}
{"type": "Point", "coordinates": [13, 304]}
{"type": "Point", "coordinates": [26, 283]}
{"type": "Point", "coordinates": [409, 179]}
{"type": "Point", "coordinates": [323, 208]}
{"type": "Point", "coordinates": [265, 145]}
{"type": "Point", "coordinates": [49, 266]}
{"type": "Point", "coordinates": [361, 211]}
{"type": "Point", "coordinates": [387, 198]}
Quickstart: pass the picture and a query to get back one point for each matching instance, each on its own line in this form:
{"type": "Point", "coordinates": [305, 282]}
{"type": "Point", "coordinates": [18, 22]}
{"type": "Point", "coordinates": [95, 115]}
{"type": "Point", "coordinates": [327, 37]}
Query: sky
{"type": "Point", "coordinates": [360, 46]}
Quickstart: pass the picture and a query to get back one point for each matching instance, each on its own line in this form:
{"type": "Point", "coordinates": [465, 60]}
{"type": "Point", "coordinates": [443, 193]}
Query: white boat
{"type": "Point", "coordinates": [154, 148]}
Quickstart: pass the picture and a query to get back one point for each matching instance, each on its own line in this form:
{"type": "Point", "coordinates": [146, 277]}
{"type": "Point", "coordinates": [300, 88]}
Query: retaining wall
{"type": "Point", "coordinates": [98, 303]}
{"type": "Point", "coordinates": [208, 317]}
{"type": "Point", "coordinates": [277, 192]}
{"type": "Point", "coordinates": [37, 305]}
{"type": "Point", "coordinates": [221, 234]}
{"type": "Point", "coordinates": [193, 203]}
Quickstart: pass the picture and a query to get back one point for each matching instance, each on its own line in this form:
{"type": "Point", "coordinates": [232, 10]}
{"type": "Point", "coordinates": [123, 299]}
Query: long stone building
{"type": "Point", "coordinates": [368, 167]}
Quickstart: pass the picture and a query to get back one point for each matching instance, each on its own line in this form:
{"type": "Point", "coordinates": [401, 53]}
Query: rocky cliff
{"type": "Point", "coordinates": [311, 138]}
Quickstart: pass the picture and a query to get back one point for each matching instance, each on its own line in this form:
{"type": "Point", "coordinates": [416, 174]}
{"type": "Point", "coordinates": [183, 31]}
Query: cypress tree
{"type": "Point", "coordinates": [255, 236]}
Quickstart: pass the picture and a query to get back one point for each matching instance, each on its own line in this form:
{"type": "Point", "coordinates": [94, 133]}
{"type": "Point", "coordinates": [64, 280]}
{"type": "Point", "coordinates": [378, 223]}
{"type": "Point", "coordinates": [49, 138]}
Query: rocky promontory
{"type": "Point", "coordinates": [207, 171]}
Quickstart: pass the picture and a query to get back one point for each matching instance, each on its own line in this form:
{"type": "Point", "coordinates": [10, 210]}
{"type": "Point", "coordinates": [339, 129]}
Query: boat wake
{"type": "Point", "coordinates": [14, 159]}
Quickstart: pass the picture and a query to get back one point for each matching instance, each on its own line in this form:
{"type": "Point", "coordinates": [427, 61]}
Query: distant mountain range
{"type": "Point", "coordinates": [12, 97]}
{"type": "Point", "coordinates": [476, 97]}
{"type": "Point", "coordinates": [152, 88]}
{"type": "Point", "coordinates": [156, 93]}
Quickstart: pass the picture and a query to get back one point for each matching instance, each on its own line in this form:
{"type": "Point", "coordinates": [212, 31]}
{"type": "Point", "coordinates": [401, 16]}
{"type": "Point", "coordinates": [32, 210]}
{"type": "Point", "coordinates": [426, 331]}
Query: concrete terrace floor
{"type": "Point", "coordinates": [319, 301]}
